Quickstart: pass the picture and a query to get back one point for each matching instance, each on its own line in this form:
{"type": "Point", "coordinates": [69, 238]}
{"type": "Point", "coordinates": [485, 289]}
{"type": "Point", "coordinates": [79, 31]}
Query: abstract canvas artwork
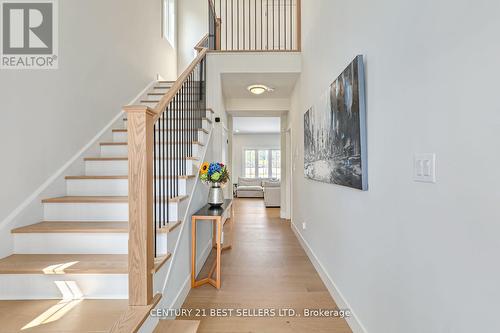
{"type": "Point", "coordinates": [335, 132]}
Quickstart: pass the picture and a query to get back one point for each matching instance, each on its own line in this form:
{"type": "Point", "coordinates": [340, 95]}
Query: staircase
{"type": "Point", "coordinates": [80, 248]}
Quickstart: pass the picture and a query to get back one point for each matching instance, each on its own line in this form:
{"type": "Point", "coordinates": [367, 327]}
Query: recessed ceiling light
{"type": "Point", "coordinates": [259, 89]}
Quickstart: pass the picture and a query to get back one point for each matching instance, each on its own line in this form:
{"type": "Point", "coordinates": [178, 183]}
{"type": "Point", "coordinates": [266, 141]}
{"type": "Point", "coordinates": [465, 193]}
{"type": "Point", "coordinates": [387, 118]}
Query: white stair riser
{"type": "Point", "coordinates": [114, 151]}
{"type": "Point", "coordinates": [108, 187]}
{"type": "Point", "coordinates": [80, 243]}
{"type": "Point", "coordinates": [122, 150]}
{"type": "Point", "coordinates": [94, 211]}
{"type": "Point", "coordinates": [166, 85]}
{"type": "Point", "coordinates": [97, 187]}
{"type": "Point", "coordinates": [123, 137]}
{"type": "Point", "coordinates": [205, 125]}
{"type": "Point", "coordinates": [106, 168]}
{"type": "Point", "coordinates": [120, 168]}
{"type": "Point", "coordinates": [71, 243]}
{"type": "Point", "coordinates": [59, 286]}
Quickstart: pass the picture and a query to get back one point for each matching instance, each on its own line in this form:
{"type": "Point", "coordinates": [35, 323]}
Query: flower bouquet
{"type": "Point", "coordinates": [214, 174]}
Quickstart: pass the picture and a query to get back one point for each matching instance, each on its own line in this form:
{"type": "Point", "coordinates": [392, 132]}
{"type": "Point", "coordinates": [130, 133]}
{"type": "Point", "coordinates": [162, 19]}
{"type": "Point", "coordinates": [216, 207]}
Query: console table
{"type": "Point", "coordinates": [218, 216]}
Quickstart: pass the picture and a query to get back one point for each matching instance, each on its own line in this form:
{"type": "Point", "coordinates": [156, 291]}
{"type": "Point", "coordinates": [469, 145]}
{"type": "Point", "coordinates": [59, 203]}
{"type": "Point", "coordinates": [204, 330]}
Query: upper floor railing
{"type": "Point", "coordinates": [254, 25]}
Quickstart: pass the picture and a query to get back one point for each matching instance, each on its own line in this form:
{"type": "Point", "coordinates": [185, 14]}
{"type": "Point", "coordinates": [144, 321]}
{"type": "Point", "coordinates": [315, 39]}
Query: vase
{"type": "Point", "coordinates": [215, 195]}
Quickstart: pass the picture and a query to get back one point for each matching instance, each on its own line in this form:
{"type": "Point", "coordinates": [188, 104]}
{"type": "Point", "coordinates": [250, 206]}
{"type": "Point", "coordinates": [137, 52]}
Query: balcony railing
{"type": "Point", "coordinates": [254, 25]}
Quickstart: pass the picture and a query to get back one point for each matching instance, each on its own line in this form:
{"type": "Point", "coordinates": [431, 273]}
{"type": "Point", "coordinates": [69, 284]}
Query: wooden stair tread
{"type": "Point", "coordinates": [84, 227]}
{"type": "Point", "coordinates": [55, 315]}
{"type": "Point", "coordinates": [73, 227]}
{"type": "Point", "coordinates": [133, 317]}
{"type": "Point", "coordinates": [158, 142]}
{"type": "Point", "coordinates": [121, 177]}
{"type": "Point", "coordinates": [70, 264]}
{"type": "Point", "coordinates": [126, 158]}
{"type": "Point", "coordinates": [100, 199]}
{"type": "Point", "coordinates": [64, 264]}
{"type": "Point", "coordinates": [177, 326]}
{"type": "Point", "coordinates": [95, 177]}
{"type": "Point", "coordinates": [169, 227]}
{"type": "Point", "coordinates": [87, 199]}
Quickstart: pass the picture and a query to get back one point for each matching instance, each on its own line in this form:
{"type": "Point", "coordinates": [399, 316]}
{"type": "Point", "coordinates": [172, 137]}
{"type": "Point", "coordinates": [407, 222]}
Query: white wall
{"type": "Point", "coordinates": [192, 26]}
{"type": "Point", "coordinates": [108, 51]}
{"type": "Point", "coordinates": [243, 141]}
{"type": "Point", "coordinates": [410, 257]}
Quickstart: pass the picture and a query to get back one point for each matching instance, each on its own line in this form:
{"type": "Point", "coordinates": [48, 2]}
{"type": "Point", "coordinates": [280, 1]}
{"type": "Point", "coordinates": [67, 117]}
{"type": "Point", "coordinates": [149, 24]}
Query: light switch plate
{"type": "Point", "coordinates": [424, 167]}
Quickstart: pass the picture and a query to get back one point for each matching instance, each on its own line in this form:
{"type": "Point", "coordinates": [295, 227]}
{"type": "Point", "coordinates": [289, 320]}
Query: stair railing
{"type": "Point", "coordinates": [159, 142]}
{"type": "Point", "coordinates": [255, 25]}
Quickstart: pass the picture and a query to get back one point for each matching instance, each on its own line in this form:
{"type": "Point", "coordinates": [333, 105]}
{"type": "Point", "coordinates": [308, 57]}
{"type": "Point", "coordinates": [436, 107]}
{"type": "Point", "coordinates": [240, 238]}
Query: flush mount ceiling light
{"type": "Point", "coordinates": [259, 89]}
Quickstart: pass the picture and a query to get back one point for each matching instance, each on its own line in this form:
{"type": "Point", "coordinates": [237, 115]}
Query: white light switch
{"type": "Point", "coordinates": [424, 167]}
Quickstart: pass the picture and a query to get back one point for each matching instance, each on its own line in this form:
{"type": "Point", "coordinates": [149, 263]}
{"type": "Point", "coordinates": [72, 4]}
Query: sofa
{"type": "Point", "coordinates": [250, 188]}
{"type": "Point", "coordinates": [272, 193]}
{"type": "Point", "coordinates": [266, 188]}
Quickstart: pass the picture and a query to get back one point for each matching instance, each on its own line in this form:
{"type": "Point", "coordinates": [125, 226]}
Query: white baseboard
{"type": "Point", "coordinates": [353, 320]}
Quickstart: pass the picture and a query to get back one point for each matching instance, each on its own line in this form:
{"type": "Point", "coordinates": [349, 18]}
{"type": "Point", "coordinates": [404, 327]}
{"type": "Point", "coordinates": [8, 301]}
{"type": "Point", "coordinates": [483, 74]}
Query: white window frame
{"type": "Point", "coordinates": [256, 166]}
{"type": "Point", "coordinates": [168, 20]}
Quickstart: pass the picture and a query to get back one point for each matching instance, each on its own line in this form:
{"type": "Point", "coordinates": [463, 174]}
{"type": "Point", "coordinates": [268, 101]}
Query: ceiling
{"type": "Point", "coordinates": [247, 125]}
{"type": "Point", "coordinates": [234, 85]}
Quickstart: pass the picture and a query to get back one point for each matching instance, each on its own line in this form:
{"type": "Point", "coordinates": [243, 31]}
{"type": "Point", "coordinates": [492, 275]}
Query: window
{"type": "Point", "coordinates": [262, 163]}
{"type": "Point", "coordinates": [250, 163]}
{"type": "Point", "coordinates": [168, 21]}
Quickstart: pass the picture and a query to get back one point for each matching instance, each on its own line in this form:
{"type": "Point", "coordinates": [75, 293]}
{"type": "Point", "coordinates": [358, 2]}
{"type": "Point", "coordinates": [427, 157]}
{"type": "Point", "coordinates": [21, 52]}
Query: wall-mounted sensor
{"type": "Point", "coordinates": [217, 119]}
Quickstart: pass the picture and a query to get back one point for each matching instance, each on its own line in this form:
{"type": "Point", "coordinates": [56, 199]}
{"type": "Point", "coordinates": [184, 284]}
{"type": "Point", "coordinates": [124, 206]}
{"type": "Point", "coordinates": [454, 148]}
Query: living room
{"type": "Point", "coordinates": [256, 159]}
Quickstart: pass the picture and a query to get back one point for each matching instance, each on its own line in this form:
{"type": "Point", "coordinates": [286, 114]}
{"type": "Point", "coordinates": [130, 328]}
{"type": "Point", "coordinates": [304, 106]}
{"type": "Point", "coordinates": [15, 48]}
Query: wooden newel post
{"type": "Point", "coordinates": [218, 37]}
{"type": "Point", "coordinates": [140, 126]}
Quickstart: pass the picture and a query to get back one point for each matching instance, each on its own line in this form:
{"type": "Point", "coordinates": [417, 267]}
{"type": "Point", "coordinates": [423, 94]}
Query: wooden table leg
{"type": "Point", "coordinates": [219, 248]}
{"type": "Point", "coordinates": [193, 252]}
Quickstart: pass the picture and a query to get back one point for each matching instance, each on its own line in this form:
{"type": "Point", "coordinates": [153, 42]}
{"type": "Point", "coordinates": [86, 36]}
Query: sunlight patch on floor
{"type": "Point", "coordinates": [72, 296]}
{"type": "Point", "coordinates": [59, 268]}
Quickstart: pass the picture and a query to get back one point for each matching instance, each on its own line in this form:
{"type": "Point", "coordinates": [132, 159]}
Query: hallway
{"type": "Point", "coordinates": [266, 269]}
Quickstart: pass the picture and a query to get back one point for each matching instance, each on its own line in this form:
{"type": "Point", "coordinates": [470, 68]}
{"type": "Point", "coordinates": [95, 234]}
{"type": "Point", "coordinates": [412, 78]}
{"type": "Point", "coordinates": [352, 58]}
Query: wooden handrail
{"type": "Point", "coordinates": [201, 44]}
{"type": "Point", "coordinates": [167, 98]}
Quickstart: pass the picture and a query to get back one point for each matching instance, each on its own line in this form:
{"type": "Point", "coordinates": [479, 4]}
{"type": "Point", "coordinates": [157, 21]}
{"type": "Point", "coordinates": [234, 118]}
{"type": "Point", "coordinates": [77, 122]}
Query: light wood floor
{"type": "Point", "coordinates": [58, 316]}
{"type": "Point", "coordinates": [267, 268]}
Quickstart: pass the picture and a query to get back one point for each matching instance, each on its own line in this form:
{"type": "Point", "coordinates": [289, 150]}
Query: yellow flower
{"type": "Point", "coordinates": [204, 168]}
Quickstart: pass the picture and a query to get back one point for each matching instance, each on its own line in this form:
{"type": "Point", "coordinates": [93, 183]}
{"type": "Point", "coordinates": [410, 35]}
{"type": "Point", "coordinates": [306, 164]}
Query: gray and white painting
{"type": "Point", "coordinates": [335, 132]}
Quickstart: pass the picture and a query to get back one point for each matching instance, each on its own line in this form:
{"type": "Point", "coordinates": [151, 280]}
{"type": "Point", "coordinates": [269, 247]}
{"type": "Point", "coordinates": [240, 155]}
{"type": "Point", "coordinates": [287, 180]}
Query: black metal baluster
{"type": "Point", "coordinates": [284, 22]}
{"type": "Point", "coordinates": [273, 23]}
{"type": "Point", "coordinates": [159, 199]}
{"type": "Point", "coordinates": [243, 17]}
{"type": "Point", "coordinates": [249, 24]}
{"type": "Point", "coordinates": [238, 24]}
{"type": "Point", "coordinates": [255, 23]}
{"type": "Point", "coordinates": [164, 180]}
{"type": "Point", "coordinates": [184, 137]}
{"type": "Point", "coordinates": [225, 25]}
{"type": "Point", "coordinates": [154, 191]}
{"type": "Point", "coordinates": [267, 24]}
{"type": "Point", "coordinates": [166, 163]}
{"type": "Point", "coordinates": [291, 24]}
{"type": "Point", "coordinates": [261, 28]}
{"type": "Point", "coordinates": [232, 25]}
{"type": "Point", "coordinates": [279, 25]}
